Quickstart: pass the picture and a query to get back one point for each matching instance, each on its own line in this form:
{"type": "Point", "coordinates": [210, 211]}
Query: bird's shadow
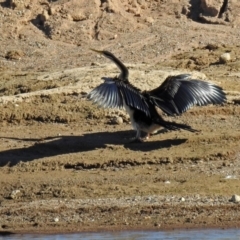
{"type": "Point", "coordinates": [59, 145]}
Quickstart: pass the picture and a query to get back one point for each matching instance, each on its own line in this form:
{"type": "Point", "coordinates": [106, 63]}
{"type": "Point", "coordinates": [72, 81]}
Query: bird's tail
{"type": "Point", "coordinates": [176, 126]}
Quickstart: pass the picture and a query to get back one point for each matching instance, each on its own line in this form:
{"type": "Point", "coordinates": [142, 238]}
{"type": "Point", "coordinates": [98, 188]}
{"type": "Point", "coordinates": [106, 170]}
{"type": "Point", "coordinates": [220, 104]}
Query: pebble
{"type": "Point", "coordinates": [225, 57]}
{"type": "Point", "coordinates": [148, 198]}
{"type": "Point", "coordinates": [95, 64]}
{"type": "Point", "coordinates": [52, 10]}
{"type": "Point", "coordinates": [14, 193]}
{"type": "Point", "coordinates": [56, 219]}
{"type": "Point", "coordinates": [149, 20]}
{"type": "Point", "coordinates": [230, 177]}
{"type": "Point", "coordinates": [235, 198]}
{"type": "Point", "coordinates": [117, 120]}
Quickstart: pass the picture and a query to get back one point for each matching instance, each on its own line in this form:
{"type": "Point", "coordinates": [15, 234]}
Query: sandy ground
{"type": "Point", "coordinates": [66, 166]}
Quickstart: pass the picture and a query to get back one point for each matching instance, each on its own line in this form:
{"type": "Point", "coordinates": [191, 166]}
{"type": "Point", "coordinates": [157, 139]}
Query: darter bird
{"type": "Point", "coordinates": [174, 96]}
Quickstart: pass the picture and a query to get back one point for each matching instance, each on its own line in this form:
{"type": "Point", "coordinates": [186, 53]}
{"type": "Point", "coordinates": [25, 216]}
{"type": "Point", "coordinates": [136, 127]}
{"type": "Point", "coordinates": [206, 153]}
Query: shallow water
{"type": "Point", "coordinates": [213, 234]}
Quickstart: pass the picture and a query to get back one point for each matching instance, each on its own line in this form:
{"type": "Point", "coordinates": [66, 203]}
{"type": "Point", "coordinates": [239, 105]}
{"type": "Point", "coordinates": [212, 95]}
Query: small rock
{"type": "Point", "coordinates": [117, 120]}
{"type": "Point", "coordinates": [18, 4]}
{"type": "Point", "coordinates": [225, 57]}
{"type": "Point", "coordinates": [230, 177]}
{"type": "Point", "coordinates": [78, 17]}
{"type": "Point", "coordinates": [56, 219]}
{"type": "Point", "coordinates": [235, 198]}
{"type": "Point", "coordinates": [182, 199]}
{"type": "Point", "coordinates": [149, 20]}
{"type": "Point", "coordinates": [167, 182]}
{"type": "Point", "coordinates": [95, 64]}
{"type": "Point", "coordinates": [211, 7]}
{"type": "Point", "coordinates": [212, 46]}
{"type": "Point", "coordinates": [44, 16]}
{"type": "Point", "coordinates": [14, 55]}
{"type": "Point", "coordinates": [14, 193]}
{"type": "Point", "coordinates": [52, 10]}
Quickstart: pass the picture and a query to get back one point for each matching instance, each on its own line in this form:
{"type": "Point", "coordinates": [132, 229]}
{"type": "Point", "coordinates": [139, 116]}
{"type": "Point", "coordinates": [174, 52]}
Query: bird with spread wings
{"type": "Point", "coordinates": [174, 96]}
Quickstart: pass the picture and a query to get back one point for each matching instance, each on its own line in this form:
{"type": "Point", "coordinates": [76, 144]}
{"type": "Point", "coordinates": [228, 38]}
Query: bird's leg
{"type": "Point", "coordinates": [138, 138]}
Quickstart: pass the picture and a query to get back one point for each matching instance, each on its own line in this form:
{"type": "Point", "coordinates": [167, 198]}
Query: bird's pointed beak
{"type": "Point", "coordinates": [98, 51]}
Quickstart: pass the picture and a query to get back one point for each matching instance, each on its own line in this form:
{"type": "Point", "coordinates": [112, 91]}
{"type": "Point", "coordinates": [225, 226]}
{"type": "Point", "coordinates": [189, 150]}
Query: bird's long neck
{"type": "Point", "coordinates": [124, 71]}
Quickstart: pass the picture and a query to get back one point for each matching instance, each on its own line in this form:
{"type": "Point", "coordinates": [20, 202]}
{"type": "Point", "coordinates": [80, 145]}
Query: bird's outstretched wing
{"type": "Point", "coordinates": [179, 93]}
{"type": "Point", "coordinates": [114, 93]}
{"type": "Point", "coordinates": [107, 95]}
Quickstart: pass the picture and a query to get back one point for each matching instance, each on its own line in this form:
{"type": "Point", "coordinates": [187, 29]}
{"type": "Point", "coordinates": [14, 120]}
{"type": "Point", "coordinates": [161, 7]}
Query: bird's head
{"type": "Point", "coordinates": [124, 71]}
{"type": "Point", "coordinates": [106, 54]}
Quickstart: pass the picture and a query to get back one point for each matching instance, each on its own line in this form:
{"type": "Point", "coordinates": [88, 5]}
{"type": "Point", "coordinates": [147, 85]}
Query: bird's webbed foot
{"type": "Point", "coordinates": [136, 140]}
{"type": "Point", "coordinates": [139, 139]}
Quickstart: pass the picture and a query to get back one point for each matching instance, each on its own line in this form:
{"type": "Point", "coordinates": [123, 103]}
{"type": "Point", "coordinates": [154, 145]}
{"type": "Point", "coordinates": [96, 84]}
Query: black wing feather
{"type": "Point", "coordinates": [113, 93]}
{"type": "Point", "coordinates": [179, 93]}
{"type": "Point", "coordinates": [133, 97]}
{"type": "Point", "coordinates": [107, 95]}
